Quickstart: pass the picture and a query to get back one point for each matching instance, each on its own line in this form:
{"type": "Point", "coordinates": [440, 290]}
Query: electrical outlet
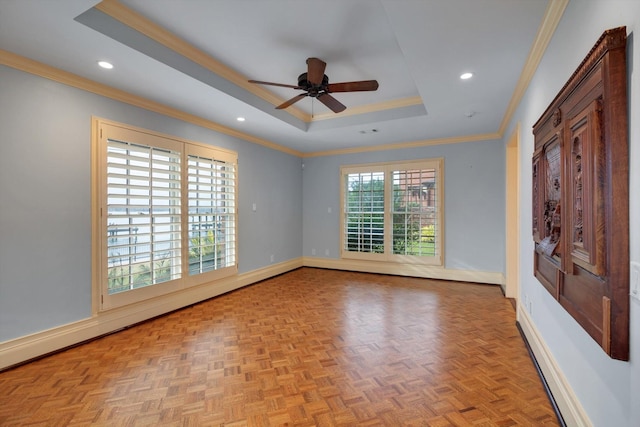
{"type": "Point", "coordinates": [326, 252]}
{"type": "Point", "coordinates": [272, 257]}
{"type": "Point", "coordinates": [634, 286]}
{"type": "Point", "coordinates": [313, 251]}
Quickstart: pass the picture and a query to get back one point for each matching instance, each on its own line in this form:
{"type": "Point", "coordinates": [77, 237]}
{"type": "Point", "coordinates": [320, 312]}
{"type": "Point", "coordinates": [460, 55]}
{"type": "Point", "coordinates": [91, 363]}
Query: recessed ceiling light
{"type": "Point", "coordinates": [105, 64]}
{"type": "Point", "coordinates": [240, 119]}
{"type": "Point", "coordinates": [465, 76]}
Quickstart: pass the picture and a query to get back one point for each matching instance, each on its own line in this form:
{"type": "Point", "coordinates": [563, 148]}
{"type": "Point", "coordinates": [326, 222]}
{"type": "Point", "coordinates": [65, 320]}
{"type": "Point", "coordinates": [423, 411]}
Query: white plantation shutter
{"type": "Point", "coordinates": [364, 212]}
{"type": "Point", "coordinates": [166, 216]}
{"type": "Point", "coordinates": [393, 212]}
{"type": "Point", "coordinates": [212, 213]}
{"type": "Point", "coordinates": [143, 215]}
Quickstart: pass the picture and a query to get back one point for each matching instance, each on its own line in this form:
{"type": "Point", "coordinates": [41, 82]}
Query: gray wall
{"type": "Point", "coordinates": [45, 198]}
{"type": "Point", "coordinates": [45, 194]}
{"type": "Point", "coordinates": [608, 390]}
{"type": "Point", "coordinates": [45, 223]}
{"type": "Point", "coordinates": [474, 196]}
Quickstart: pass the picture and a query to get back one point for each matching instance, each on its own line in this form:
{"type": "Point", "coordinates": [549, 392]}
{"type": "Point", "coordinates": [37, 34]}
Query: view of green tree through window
{"type": "Point", "coordinates": [414, 212]}
{"type": "Point", "coordinates": [393, 211]}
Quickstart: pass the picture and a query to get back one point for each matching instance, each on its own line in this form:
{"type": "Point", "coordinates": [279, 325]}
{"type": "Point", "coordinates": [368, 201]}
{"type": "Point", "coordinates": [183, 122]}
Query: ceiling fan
{"type": "Point", "coordinates": [316, 84]}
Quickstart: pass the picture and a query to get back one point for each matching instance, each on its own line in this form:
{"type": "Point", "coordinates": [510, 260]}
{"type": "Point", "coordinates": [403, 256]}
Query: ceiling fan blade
{"type": "Point", "coordinates": [274, 84]}
{"type": "Point", "coordinates": [315, 70]}
{"type": "Point", "coordinates": [291, 101]}
{"type": "Point", "coordinates": [333, 104]}
{"type": "Point", "coordinates": [364, 85]}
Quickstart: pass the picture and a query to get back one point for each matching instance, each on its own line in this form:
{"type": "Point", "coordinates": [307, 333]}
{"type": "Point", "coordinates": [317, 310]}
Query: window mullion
{"type": "Point", "coordinates": [388, 213]}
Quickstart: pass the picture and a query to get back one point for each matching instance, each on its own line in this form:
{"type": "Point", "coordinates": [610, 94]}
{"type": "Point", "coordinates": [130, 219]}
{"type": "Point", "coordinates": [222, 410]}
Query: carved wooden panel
{"type": "Point", "coordinates": [535, 202]}
{"type": "Point", "coordinates": [581, 196]}
{"type": "Point", "coordinates": [586, 214]}
{"type": "Point", "coordinates": [551, 218]}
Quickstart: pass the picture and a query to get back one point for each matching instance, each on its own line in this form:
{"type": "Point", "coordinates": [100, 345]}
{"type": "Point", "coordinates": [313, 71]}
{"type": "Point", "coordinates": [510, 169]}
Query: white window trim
{"type": "Point", "coordinates": [388, 168]}
{"type": "Point", "coordinates": [101, 130]}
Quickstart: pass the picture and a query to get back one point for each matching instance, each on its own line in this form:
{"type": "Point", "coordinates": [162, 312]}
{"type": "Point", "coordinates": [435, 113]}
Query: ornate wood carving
{"type": "Point", "coordinates": [535, 214]}
{"type": "Point", "coordinates": [557, 117]}
{"type": "Point", "coordinates": [581, 196]}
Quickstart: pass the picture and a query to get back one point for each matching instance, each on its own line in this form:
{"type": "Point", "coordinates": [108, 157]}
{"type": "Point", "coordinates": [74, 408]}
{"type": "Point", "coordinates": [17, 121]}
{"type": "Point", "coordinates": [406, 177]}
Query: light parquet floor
{"type": "Point", "coordinates": [308, 348]}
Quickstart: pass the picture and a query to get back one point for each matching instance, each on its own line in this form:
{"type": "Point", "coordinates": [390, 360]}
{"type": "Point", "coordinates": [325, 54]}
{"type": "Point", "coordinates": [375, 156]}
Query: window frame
{"type": "Point", "coordinates": [104, 130]}
{"type": "Point", "coordinates": [388, 168]}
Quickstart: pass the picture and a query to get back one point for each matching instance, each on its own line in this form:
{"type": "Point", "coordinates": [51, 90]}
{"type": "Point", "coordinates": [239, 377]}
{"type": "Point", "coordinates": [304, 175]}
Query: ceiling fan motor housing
{"type": "Point", "coordinates": [314, 90]}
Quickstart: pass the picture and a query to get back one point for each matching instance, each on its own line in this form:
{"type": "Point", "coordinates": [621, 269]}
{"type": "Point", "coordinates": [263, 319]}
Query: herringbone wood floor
{"type": "Point", "coordinates": [308, 348]}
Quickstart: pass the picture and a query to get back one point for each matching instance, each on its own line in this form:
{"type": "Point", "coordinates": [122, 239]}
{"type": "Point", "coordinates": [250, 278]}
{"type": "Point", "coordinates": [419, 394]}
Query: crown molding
{"type": "Point", "coordinates": [403, 145]}
{"type": "Point", "coordinates": [552, 15]}
{"type": "Point", "coordinates": [142, 24]}
{"type": "Point", "coordinates": [33, 67]}
{"type": "Point", "coordinates": [30, 66]}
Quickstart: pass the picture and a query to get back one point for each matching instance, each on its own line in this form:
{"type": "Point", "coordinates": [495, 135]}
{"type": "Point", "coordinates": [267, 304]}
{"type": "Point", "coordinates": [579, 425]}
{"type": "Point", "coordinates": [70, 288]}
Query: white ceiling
{"type": "Point", "coordinates": [416, 49]}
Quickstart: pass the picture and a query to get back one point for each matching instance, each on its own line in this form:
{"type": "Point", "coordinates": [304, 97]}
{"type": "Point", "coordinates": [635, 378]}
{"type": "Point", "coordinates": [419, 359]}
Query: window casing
{"type": "Point", "coordinates": [393, 212]}
{"type": "Point", "coordinates": [166, 214]}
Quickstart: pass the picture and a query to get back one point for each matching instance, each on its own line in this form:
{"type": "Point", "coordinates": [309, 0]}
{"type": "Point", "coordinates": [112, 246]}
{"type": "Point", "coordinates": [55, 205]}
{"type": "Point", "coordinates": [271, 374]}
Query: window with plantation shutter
{"type": "Point", "coordinates": [166, 214]}
{"type": "Point", "coordinates": [364, 212]}
{"type": "Point", "coordinates": [393, 212]}
{"type": "Point", "coordinates": [212, 223]}
{"type": "Point", "coordinates": [143, 215]}
{"type": "Point", "coordinates": [414, 211]}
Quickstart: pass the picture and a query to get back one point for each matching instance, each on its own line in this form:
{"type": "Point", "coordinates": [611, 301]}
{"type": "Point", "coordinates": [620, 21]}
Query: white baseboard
{"type": "Point", "coordinates": [28, 347]}
{"type": "Point", "coordinates": [566, 400]}
{"type": "Point", "coordinates": [412, 270]}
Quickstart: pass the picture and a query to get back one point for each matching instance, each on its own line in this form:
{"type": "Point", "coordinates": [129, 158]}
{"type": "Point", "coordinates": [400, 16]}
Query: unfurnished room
{"type": "Point", "coordinates": [319, 213]}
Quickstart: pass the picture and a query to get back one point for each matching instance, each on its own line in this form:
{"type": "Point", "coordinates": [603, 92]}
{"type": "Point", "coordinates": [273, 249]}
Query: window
{"type": "Point", "coordinates": [143, 215]}
{"type": "Point", "coordinates": [167, 214]}
{"type": "Point", "coordinates": [212, 220]}
{"type": "Point", "coordinates": [393, 212]}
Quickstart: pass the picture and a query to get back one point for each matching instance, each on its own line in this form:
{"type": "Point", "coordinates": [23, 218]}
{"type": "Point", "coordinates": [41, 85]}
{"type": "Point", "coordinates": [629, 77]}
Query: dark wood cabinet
{"type": "Point", "coordinates": [580, 172]}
